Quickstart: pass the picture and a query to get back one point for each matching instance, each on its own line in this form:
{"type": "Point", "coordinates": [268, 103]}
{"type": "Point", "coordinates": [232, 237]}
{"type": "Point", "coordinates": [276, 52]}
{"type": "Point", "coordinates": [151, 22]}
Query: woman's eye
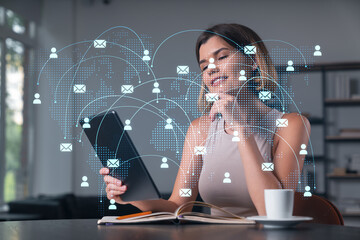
{"type": "Point", "coordinates": [222, 57]}
{"type": "Point", "coordinates": [204, 68]}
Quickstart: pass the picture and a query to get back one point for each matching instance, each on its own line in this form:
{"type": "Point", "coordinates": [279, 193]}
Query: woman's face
{"type": "Point", "coordinates": [224, 76]}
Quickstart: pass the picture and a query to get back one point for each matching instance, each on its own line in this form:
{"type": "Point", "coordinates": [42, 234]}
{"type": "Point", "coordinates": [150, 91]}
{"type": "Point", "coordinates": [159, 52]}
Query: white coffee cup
{"type": "Point", "coordinates": [279, 203]}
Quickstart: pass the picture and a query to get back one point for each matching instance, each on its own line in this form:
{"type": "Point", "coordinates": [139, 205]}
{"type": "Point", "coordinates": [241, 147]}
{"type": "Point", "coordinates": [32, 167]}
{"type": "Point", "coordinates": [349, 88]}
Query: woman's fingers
{"type": "Point", "coordinates": [113, 187]}
{"type": "Point", "coordinates": [225, 102]}
{"type": "Point", "coordinates": [116, 193]}
{"type": "Point", "coordinates": [109, 179]}
{"type": "Point", "coordinates": [116, 198]}
{"type": "Point", "coordinates": [104, 171]}
{"type": "Point", "coordinates": [113, 192]}
{"type": "Point", "coordinates": [215, 109]}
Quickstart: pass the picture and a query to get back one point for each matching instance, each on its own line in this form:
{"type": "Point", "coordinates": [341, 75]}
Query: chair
{"type": "Point", "coordinates": [321, 209]}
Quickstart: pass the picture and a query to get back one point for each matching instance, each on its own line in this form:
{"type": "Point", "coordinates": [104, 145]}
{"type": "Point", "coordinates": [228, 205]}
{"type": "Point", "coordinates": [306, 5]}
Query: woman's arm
{"type": "Point", "coordinates": [115, 188]}
{"type": "Point", "coordinates": [285, 152]}
{"type": "Point", "coordinates": [191, 164]}
{"type": "Point", "coordinates": [287, 142]}
{"type": "Point", "coordinates": [187, 177]}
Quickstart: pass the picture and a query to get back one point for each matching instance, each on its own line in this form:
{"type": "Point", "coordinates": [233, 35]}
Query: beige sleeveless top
{"type": "Point", "coordinates": [222, 180]}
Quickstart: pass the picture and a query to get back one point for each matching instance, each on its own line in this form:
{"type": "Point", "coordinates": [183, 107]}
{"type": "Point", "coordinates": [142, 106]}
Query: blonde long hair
{"type": "Point", "coordinates": [240, 36]}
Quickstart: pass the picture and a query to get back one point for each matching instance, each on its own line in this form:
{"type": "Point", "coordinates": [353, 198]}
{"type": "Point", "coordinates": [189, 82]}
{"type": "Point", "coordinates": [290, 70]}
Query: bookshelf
{"type": "Point", "coordinates": [342, 139]}
{"type": "Point", "coordinates": [329, 102]}
{"type": "Point", "coordinates": [342, 102]}
{"type": "Point", "coordinates": [348, 176]}
{"type": "Point", "coordinates": [316, 121]}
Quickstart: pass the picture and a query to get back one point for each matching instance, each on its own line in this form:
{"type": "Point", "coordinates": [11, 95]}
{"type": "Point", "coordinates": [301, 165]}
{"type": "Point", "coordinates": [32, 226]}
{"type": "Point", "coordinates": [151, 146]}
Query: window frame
{"type": "Point", "coordinates": [29, 44]}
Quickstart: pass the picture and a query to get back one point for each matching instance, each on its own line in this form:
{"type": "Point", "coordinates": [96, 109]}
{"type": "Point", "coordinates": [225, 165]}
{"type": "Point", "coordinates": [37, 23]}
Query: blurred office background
{"type": "Point", "coordinates": [31, 164]}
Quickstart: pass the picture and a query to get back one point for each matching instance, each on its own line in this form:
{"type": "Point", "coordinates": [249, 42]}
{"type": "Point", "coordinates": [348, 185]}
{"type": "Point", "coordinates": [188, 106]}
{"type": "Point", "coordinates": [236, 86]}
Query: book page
{"type": "Point", "coordinates": [187, 216]}
{"type": "Point", "coordinates": [203, 204]}
{"type": "Point", "coordinates": [112, 219]}
{"type": "Point", "coordinates": [215, 220]}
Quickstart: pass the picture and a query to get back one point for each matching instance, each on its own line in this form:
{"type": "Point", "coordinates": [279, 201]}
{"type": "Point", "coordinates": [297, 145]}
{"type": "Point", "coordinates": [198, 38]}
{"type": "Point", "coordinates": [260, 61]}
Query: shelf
{"type": "Point", "coordinates": [322, 70]}
{"type": "Point", "coordinates": [332, 102]}
{"type": "Point", "coordinates": [350, 214]}
{"type": "Point", "coordinates": [316, 158]}
{"type": "Point", "coordinates": [345, 176]}
{"type": "Point", "coordinates": [320, 194]}
{"type": "Point", "coordinates": [341, 66]}
{"type": "Point", "coordinates": [342, 139]}
{"type": "Point", "coordinates": [316, 120]}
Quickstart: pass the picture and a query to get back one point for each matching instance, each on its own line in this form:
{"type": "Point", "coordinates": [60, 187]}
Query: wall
{"type": "Point", "coordinates": [52, 171]}
{"type": "Point", "coordinates": [327, 23]}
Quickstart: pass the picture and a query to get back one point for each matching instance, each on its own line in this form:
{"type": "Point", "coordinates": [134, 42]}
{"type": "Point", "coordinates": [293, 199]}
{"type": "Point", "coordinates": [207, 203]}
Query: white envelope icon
{"type": "Point", "coordinates": [212, 97]}
{"type": "Point", "coordinates": [267, 167]}
{"type": "Point", "coordinates": [65, 147]}
{"type": "Point", "coordinates": [112, 163]}
{"type": "Point", "coordinates": [100, 43]}
{"type": "Point", "coordinates": [282, 122]}
{"type": "Point", "coordinates": [265, 95]}
{"type": "Point", "coordinates": [185, 192]}
{"type": "Point", "coordinates": [127, 88]}
{"type": "Point", "coordinates": [200, 150]}
{"type": "Point", "coordinates": [249, 49]}
{"type": "Point", "coordinates": [182, 69]}
{"type": "Point", "coordinates": [79, 88]}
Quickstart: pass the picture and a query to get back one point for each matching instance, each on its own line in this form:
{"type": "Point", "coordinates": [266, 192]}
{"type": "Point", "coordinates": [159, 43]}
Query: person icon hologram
{"type": "Point", "coordinates": [317, 52]}
{"type": "Point", "coordinates": [307, 192]}
{"type": "Point", "coordinates": [156, 88]}
{"type": "Point", "coordinates": [146, 56]}
{"type": "Point", "coordinates": [242, 75]}
{"type": "Point", "coordinates": [211, 65]}
{"type": "Point", "coordinates": [84, 182]}
{"type": "Point", "coordinates": [236, 138]}
{"type": "Point", "coordinates": [164, 163]}
{"type": "Point", "coordinates": [290, 67]}
{"type": "Point", "coordinates": [112, 205]}
{"type": "Point", "coordinates": [227, 178]}
{"type": "Point", "coordinates": [127, 125]}
{"type": "Point", "coordinates": [168, 124]}
{"type": "Point", "coordinates": [53, 53]}
{"type": "Point", "coordinates": [37, 99]}
{"type": "Point", "coordinates": [86, 123]}
{"type": "Point", "coordinates": [303, 150]}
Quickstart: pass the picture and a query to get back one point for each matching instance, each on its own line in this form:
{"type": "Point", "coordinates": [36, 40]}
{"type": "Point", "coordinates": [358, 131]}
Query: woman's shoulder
{"type": "Point", "coordinates": [201, 120]}
{"type": "Point", "coordinates": [201, 125]}
{"type": "Point", "coordinates": [296, 119]}
{"type": "Point", "coordinates": [296, 124]}
{"type": "Point", "coordinates": [297, 131]}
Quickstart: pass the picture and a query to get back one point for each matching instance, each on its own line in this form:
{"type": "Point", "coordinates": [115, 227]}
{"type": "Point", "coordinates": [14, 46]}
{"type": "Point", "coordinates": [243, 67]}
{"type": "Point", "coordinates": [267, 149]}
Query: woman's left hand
{"type": "Point", "coordinates": [229, 108]}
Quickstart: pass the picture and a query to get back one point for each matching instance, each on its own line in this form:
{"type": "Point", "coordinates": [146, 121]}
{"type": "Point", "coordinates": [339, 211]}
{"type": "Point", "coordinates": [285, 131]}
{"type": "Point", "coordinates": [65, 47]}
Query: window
{"type": "Point", "coordinates": [16, 41]}
{"type": "Point", "coordinates": [15, 22]}
{"type": "Point", "coordinates": [2, 15]}
{"type": "Point", "coordinates": [13, 115]}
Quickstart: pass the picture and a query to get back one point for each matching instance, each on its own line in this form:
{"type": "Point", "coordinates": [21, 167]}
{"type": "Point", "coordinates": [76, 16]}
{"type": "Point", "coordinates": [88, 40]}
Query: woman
{"type": "Point", "coordinates": [237, 143]}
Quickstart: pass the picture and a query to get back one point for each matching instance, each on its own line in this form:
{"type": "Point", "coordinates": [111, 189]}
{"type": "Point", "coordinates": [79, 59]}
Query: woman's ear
{"type": "Point", "coordinates": [255, 70]}
{"type": "Point", "coordinates": [206, 88]}
{"type": "Point", "coordinates": [254, 67]}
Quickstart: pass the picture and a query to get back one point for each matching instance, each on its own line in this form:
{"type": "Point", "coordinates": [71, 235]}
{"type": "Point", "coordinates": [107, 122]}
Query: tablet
{"type": "Point", "coordinates": [117, 152]}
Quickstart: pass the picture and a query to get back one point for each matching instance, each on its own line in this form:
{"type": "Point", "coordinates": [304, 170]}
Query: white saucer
{"type": "Point", "coordinates": [279, 223]}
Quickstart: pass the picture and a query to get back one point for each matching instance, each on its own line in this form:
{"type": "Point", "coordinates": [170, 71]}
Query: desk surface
{"type": "Point", "coordinates": [87, 229]}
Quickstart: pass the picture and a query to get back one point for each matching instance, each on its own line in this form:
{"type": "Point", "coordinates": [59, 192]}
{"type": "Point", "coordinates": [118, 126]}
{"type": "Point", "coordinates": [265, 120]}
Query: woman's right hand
{"type": "Point", "coordinates": [114, 187]}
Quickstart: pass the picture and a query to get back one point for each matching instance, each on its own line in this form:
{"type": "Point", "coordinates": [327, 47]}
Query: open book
{"type": "Point", "coordinates": [180, 216]}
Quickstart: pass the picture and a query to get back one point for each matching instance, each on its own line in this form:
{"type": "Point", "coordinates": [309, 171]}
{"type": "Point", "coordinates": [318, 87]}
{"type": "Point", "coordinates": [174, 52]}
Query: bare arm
{"type": "Point", "coordinates": [285, 152]}
{"type": "Point", "coordinates": [187, 176]}
{"type": "Point", "coordinates": [286, 149]}
{"type": "Point", "coordinates": [115, 189]}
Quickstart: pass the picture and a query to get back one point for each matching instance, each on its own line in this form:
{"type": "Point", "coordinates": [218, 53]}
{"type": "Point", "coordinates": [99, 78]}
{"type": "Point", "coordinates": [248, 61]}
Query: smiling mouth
{"type": "Point", "coordinates": [217, 81]}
